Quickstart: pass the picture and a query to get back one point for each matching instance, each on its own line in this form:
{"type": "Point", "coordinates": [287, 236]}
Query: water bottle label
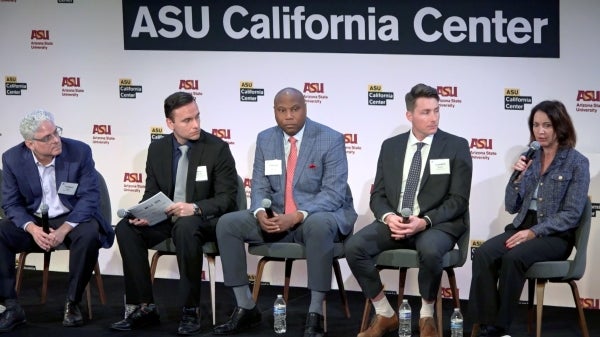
{"type": "Point", "coordinates": [456, 324]}
{"type": "Point", "coordinates": [405, 315]}
{"type": "Point", "coordinates": [279, 310]}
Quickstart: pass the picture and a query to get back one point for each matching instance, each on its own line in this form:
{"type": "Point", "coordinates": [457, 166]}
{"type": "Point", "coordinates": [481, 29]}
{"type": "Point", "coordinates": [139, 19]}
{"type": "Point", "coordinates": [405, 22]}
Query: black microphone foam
{"type": "Point", "coordinates": [405, 213]}
{"type": "Point", "coordinates": [266, 204]}
{"type": "Point", "coordinates": [534, 146]}
{"type": "Point", "coordinates": [45, 224]}
{"type": "Point", "coordinates": [125, 214]}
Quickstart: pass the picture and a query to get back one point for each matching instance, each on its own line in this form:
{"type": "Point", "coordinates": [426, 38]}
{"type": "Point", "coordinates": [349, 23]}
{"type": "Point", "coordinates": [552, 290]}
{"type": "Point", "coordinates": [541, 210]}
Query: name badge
{"type": "Point", "coordinates": [201, 173]}
{"type": "Point", "coordinates": [67, 188]}
{"type": "Point", "coordinates": [273, 167]}
{"type": "Point", "coordinates": [439, 166]}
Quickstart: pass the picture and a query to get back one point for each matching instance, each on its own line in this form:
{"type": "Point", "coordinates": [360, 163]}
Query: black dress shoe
{"type": "Point", "coordinates": [314, 325]}
{"type": "Point", "coordinates": [241, 319]}
{"type": "Point", "coordinates": [491, 331]}
{"type": "Point", "coordinates": [72, 315]}
{"type": "Point", "coordinates": [142, 316]}
{"type": "Point", "coordinates": [11, 317]}
{"type": "Point", "coordinates": [190, 322]}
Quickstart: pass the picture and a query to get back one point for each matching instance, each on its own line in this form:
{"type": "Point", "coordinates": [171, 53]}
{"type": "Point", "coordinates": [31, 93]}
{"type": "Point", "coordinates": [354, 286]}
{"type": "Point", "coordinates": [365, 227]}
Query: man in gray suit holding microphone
{"type": "Point", "coordinates": [428, 172]}
{"type": "Point", "coordinates": [301, 166]}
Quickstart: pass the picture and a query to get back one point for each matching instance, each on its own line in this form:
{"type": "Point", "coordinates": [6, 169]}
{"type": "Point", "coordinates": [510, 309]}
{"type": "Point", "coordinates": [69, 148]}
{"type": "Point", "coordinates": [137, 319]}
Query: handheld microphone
{"type": "Point", "coordinates": [405, 213]}
{"type": "Point", "coordinates": [534, 146]}
{"type": "Point", "coordinates": [125, 214]}
{"type": "Point", "coordinates": [45, 226]}
{"type": "Point", "coordinates": [266, 204]}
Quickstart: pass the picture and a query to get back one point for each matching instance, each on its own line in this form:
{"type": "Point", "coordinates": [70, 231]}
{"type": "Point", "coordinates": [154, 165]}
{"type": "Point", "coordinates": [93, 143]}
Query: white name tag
{"type": "Point", "coordinates": [201, 173]}
{"type": "Point", "coordinates": [273, 167]}
{"type": "Point", "coordinates": [439, 166]}
{"type": "Point", "coordinates": [67, 188]}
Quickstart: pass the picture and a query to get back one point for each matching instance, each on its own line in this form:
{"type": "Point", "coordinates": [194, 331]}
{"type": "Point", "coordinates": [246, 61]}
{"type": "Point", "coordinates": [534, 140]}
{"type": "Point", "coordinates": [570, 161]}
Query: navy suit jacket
{"type": "Point", "coordinates": [320, 178]}
{"type": "Point", "coordinates": [22, 189]}
{"type": "Point", "coordinates": [444, 198]}
{"type": "Point", "coordinates": [216, 195]}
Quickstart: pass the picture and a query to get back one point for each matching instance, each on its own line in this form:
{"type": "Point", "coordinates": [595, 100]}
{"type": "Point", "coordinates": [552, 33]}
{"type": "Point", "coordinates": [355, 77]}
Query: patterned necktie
{"type": "Point", "coordinates": [290, 205]}
{"type": "Point", "coordinates": [412, 181]}
{"type": "Point", "coordinates": [181, 176]}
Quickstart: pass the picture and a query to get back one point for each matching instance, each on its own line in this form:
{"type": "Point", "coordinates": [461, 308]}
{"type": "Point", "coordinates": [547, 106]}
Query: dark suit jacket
{"type": "Point", "coordinates": [215, 196]}
{"type": "Point", "coordinates": [444, 198]}
{"type": "Point", "coordinates": [22, 189]}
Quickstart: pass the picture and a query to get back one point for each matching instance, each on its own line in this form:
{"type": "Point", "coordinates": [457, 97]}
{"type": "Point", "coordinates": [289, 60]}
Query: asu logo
{"type": "Point", "coordinates": [156, 130]}
{"type": "Point", "coordinates": [246, 84]}
{"type": "Point", "coordinates": [101, 129]}
{"type": "Point", "coordinates": [375, 87]}
{"type": "Point", "coordinates": [188, 84]}
{"type": "Point", "coordinates": [512, 92]}
{"type": "Point", "coordinates": [447, 292]}
{"type": "Point", "coordinates": [10, 79]}
{"type": "Point", "coordinates": [222, 133]}
{"type": "Point", "coordinates": [447, 91]}
{"type": "Point", "coordinates": [314, 88]}
{"type": "Point", "coordinates": [40, 34]}
{"type": "Point", "coordinates": [71, 82]}
{"type": "Point", "coordinates": [588, 95]}
{"type": "Point", "coordinates": [351, 138]}
{"type": "Point", "coordinates": [482, 143]}
{"type": "Point", "coordinates": [590, 303]}
{"type": "Point", "coordinates": [132, 177]}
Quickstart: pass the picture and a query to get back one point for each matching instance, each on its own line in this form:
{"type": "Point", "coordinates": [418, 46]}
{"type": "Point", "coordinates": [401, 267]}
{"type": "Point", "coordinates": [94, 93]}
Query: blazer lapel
{"type": "Point", "coordinates": [398, 158]}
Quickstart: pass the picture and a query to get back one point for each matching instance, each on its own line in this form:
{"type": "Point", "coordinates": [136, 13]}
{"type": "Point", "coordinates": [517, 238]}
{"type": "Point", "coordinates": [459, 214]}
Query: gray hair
{"type": "Point", "coordinates": [32, 121]}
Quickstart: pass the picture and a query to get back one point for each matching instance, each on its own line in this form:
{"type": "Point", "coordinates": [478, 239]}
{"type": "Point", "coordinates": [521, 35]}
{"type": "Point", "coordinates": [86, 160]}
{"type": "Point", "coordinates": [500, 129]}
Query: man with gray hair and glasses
{"type": "Point", "coordinates": [48, 173]}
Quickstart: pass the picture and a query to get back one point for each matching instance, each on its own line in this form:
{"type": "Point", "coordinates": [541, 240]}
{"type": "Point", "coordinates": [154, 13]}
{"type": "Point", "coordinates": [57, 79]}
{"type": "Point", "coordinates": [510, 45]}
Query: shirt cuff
{"type": "Point", "coordinates": [385, 215]}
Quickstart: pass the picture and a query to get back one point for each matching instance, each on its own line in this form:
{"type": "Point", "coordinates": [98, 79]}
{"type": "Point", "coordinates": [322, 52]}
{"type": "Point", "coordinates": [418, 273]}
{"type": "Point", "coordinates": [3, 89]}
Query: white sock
{"type": "Point", "coordinates": [383, 307]}
{"type": "Point", "coordinates": [426, 309]}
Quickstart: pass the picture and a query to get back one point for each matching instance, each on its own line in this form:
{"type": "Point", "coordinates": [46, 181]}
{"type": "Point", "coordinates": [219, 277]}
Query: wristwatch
{"type": "Point", "coordinates": [196, 209]}
{"type": "Point", "coordinates": [427, 221]}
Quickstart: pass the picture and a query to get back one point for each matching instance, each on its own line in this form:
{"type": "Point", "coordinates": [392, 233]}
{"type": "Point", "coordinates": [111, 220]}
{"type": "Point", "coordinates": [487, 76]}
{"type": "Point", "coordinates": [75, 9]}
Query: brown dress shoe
{"type": "Point", "coordinates": [427, 327]}
{"type": "Point", "coordinates": [380, 326]}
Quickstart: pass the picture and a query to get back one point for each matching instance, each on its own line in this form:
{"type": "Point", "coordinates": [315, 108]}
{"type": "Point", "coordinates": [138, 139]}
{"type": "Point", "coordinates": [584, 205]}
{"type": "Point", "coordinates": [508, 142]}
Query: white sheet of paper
{"type": "Point", "coordinates": [152, 209]}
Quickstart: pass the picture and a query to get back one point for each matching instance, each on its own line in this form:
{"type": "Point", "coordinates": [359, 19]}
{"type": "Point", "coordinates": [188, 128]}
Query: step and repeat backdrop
{"type": "Point", "coordinates": [104, 68]}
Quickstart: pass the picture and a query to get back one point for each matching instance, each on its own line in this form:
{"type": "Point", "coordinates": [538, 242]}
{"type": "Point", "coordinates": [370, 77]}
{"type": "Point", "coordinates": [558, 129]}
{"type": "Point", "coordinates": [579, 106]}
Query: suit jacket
{"type": "Point", "coordinates": [22, 189]}
{"type": "Point", "coordinates": [563, 189]}
{"type": "Point", "coordinates": [444, 198]}
{"type": "Point", "coordinates": [320, 178]}
{"type": "Point", "coordinates": [216, 195]}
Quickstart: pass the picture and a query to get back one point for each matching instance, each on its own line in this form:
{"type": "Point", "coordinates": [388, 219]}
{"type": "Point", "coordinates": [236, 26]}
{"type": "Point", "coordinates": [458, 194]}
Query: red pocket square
{"type": "Point", "coordinates": [312, 166]}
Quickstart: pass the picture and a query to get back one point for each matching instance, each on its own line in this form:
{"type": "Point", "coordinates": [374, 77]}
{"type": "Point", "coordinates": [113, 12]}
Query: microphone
{"type": "Point", "coordinates": [45, 226]}
{"type": "Point", "coordinates": [534, 146]}
{"type": "Point", "coordinates": [405, 213]}
{"type": "Point", "coordinates": [266, 204]}
{"type": "Point", "coordinates": [125, 214]}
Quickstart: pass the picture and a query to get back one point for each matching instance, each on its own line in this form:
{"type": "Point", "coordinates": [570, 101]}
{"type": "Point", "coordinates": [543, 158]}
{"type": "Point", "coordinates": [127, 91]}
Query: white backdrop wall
{"type": "Point", "coordinates": [69, 58]}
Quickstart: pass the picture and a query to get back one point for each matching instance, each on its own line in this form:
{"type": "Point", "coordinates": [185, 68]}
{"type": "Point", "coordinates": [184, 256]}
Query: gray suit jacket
{"type": "Point", "coordinates": [320, 178]}
{"type": "Point", "coordinates": [444, 198]}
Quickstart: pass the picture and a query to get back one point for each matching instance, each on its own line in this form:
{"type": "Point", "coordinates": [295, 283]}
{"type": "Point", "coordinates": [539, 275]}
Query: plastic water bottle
{"type": "Point", "coordinates": [405, 317]}
{"type": "Point", "coordinates": [279, 310]}
{"type": "Point", "coordinates": [456, 323]}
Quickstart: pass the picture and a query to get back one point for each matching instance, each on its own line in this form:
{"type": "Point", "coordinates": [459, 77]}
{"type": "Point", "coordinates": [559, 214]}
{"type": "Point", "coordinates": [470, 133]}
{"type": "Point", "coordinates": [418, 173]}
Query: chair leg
{"type": "Point", "coordinates": [211, 278]}
{"type": "Point", "coordinates": [541, 285]}
{"type": "Point", "coordinates": [438, 311]}
{"type": "Point", "coordinates": [366, 314]}
{"type": "Point", "coordinates": [153, 264]}
{"type": "Point", "coordinates": [577, 299]}
{"type": "Point", "coordinates": [45, 276]}
{"type": "Point", "coordinates": [20, 268]}
{"type": "Point", "coordinates": [100, 284]}
{"type": "Point", "coordinates": [340, 282]}
{"type": "Point", "coordinates": [288, 276]}
{"type": "Point", "coordinates": [475, 330]}
{"type": "Point", "coordinates": [258, 278]}
{"type": "Point", "coordinates": [401, 284]}
{"type": "Point", "coordinates": [453, 287]}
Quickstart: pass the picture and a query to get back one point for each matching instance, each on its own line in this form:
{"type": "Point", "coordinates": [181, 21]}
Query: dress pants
{"type": "Point", "coordinates": [318, 233]}
{"type": "Point", "coordinates": [364, 246]}
{"type": "Point", "coordinates": [499, 274]}
{"type": "Point", "coordinates": [189, 234]}
{"type": "Point", "coordinates": [83, 243]}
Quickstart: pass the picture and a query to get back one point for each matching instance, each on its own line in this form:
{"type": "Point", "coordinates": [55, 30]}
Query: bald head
{"type": "Point", "coordinates": [290, 110]}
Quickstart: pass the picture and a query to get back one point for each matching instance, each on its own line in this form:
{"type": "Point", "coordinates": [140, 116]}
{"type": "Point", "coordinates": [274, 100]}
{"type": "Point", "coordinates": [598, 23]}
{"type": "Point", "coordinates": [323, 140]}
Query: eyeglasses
{"type": "Point", "coordinates": [56, 134]}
